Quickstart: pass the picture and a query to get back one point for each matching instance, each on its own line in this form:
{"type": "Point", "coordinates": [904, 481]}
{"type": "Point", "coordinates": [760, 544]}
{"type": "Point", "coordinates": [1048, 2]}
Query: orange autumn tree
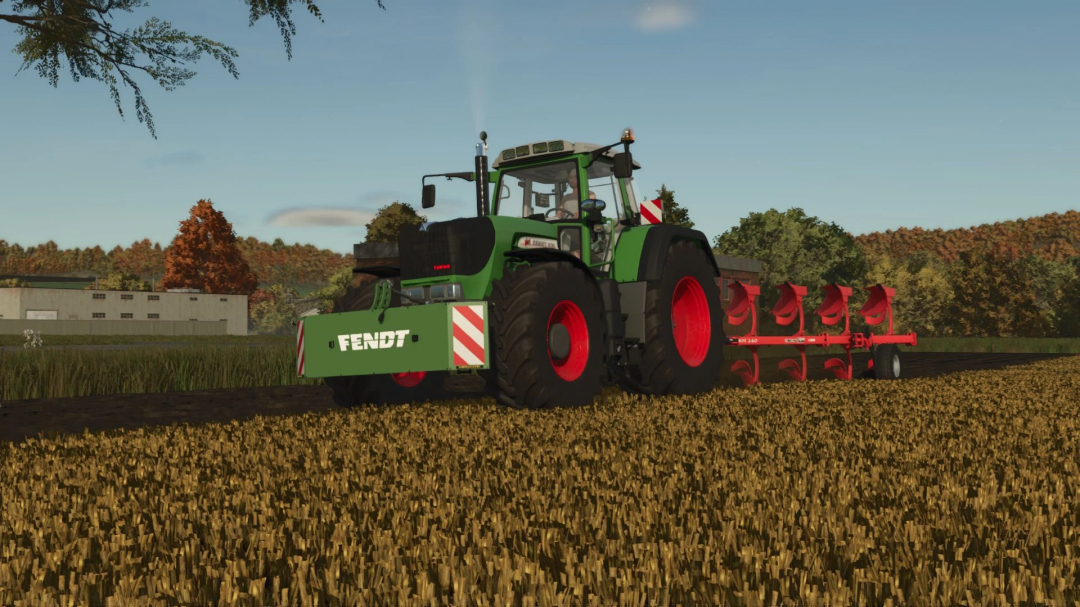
{"type": "Point", "coordinates": [142, 258]}
{"type": "Point", "coordinates": [204, 255]}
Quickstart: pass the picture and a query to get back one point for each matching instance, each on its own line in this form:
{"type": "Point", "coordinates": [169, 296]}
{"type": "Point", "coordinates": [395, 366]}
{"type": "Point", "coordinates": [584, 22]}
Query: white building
{"type": "Point", "coordinates": [78, 311]}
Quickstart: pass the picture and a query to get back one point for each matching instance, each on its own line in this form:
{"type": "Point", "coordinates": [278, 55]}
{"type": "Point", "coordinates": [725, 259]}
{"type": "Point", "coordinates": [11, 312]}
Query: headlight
{"type": "Point", "coordinates": [443, 292]}
{"type": "Point", "coordinates": [414, 292]}
{"type": "Point", "coordinates": [446, 292]}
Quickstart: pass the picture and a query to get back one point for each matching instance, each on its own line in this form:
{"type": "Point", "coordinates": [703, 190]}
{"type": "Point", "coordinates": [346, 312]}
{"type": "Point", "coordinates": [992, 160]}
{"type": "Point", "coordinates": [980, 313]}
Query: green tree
{"type": "Point", "coordinates": [795, 247]}
{"type": "Point", "coordinates": [14, 283]}
{"type": "Point", "coordinates": [387, 223]}
{"type": "Point", "coordinates": [121, 281]}
{"type": "Point", "coordinates": [673, 214]}
{"type": "Point", "coordinates": [923, 296]}
{"type": "Point", "coordinates": [993, 296]}
{"type": "Point", "coordinates": [1052, 284]}
{"type": "Point", "coordinates": [276, 314]}
{"type": "Point", "coordinates": [81, 31]}
{"type": "Point", "coordinates": [1069, 321]}
{"type": "Point", "coordinates": [339, 281]}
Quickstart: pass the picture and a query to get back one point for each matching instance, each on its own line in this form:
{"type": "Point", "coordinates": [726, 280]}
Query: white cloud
{"type": "Point", "coordinates": [660, 16]}
{"type": "Point", "coordinates": [320, 217]}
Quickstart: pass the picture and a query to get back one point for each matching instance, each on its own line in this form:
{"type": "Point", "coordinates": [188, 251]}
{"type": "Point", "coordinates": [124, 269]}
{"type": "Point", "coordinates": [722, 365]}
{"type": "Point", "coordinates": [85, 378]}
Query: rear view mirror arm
{"type": "Point", "coordinates": [449, 176]}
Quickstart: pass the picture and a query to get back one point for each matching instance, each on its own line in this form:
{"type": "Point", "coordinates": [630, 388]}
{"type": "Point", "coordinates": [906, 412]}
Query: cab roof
{"type": "Point", "coordinates": [548, 149]}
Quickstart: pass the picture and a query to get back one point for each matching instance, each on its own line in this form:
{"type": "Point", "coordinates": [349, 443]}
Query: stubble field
{"type": "Point", "coordinates": [958, 489]}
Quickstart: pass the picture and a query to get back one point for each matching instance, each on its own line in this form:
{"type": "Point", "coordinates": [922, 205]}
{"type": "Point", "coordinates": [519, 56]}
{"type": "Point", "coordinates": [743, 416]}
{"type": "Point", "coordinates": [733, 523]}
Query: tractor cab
{"type": "Point", "coordinates": [565, 182]}
{"type": "Point", "coordinates": [543, 181]}
{"type": "Point", "coordinates": [586, 190]}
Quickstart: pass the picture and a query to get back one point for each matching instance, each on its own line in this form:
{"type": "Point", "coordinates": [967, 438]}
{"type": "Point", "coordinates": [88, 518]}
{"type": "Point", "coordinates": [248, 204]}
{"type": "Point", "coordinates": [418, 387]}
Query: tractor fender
{"type": "Point", "coordinates": [546, 256]}
{"type": "Point", "coordinates": [655, 247]}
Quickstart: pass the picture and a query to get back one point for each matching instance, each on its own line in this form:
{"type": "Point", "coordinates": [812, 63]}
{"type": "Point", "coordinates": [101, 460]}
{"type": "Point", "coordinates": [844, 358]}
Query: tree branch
{"type": "Point", "coordinates": [81, 31]}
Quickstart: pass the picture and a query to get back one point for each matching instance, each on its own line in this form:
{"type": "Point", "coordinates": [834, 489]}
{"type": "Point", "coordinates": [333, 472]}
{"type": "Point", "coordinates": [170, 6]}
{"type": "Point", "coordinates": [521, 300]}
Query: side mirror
{"type": "Point", "coordinates": [591, 209]}
{"type": "Point", "coordinates": [428, 200]}
{"type": "Point", "coordinates": [624, 165]}
{"type": "Point", "coordinates": [592, 204]}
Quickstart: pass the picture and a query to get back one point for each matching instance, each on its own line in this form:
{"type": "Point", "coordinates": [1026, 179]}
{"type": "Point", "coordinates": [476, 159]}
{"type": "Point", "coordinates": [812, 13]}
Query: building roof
{"type": "Point", "coordinates": [738, 264]}
{"type": "Point", "coordinates": [170, 291]}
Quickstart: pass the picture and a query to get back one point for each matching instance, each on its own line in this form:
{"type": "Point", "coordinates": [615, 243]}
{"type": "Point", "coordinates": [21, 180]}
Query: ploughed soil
{"type": "Point", "coordinates": [51, 416]}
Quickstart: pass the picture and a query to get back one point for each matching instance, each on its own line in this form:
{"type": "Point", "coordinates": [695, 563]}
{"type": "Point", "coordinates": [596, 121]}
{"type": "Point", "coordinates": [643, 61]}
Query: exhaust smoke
{"type": "Point", "coordinates": [477, 48]}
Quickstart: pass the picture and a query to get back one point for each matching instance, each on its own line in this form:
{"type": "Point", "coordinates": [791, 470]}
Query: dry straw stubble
{"type": "Point", "coordinates": [928, 491]}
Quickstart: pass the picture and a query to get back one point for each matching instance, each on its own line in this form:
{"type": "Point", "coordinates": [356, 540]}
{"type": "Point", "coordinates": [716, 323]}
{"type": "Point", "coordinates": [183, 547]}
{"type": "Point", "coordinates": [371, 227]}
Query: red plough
{"type": "Point", "coordinates": [885, 356]}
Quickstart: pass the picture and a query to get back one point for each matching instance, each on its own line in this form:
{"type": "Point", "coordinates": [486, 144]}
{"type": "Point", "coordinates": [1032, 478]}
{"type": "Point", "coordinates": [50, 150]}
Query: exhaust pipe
{"type": "Point", "coordinates": [483, 188]}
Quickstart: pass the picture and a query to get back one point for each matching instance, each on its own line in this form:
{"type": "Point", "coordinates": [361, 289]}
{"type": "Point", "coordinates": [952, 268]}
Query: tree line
{"type": "Point", "coordinates": [1009, 279]}
{"type": "Point", "coordinates": [1015, 278]}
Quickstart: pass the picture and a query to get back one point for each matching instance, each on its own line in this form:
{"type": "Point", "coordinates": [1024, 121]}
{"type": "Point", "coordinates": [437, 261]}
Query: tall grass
{"type": "Point", "coordinates": [1044, 345]}
{"type": "Point", "coordinates": [65, 373]}
{"type": "Point", "coordinates": [97, 340]}
{"type": "Point", "coordinates": [204, 365]}
{"type": "Point", "coordinates": [1037, 345]}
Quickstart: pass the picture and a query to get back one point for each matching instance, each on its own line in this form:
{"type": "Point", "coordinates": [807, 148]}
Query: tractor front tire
{"type": "Point", "coordinates": [684, 326]}
{"type": "Point", "coordinates": [355, 390]}
{"type": "Point", "coordinates": [548, 337]}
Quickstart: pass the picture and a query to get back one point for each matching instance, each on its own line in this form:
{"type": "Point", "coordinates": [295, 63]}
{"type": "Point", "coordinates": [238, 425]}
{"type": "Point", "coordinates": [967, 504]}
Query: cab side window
{"type": "Point", "coordinates": [605, 187]}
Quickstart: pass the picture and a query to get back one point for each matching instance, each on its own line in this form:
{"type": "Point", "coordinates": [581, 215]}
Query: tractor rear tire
{"type": "Point", "coordinates": [355, 390]}
{"type": "Point", "coordinates": [887, 362]}
{"type": "Point", "coordinates": [548, 337]}
{"type": "Point", "coordinates": [684, 326]}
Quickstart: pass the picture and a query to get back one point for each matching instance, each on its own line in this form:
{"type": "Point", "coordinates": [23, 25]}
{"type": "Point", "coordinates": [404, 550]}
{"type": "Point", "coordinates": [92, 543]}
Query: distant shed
{"type": "Point", "coordinates": [736, 268]}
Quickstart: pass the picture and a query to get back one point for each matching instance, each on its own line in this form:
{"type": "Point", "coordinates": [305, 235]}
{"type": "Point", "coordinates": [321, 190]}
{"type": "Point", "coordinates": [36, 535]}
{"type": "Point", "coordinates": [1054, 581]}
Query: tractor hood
{"type": "Point", "coordinates": [461, 246]}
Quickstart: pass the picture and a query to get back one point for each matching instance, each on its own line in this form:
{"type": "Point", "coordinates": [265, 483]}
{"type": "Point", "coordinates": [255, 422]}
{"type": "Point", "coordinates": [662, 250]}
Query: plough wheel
{"type": "Point", "coordinates": [684, 326]}
{"type": "Point", "coordinates": [887, 362]}
{"type": "Point", "coordinates": [547, 335]}
{"type": "Point", "coordinates": [356, 390]}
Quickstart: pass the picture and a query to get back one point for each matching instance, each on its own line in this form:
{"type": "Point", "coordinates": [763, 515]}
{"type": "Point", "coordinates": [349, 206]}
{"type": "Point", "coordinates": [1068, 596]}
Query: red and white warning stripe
{"type": "Point", "coordinates": [469, 335]}
{"type": "Point", "coordinates": [652, 211]}
{"type": "Point", "coordinates": [300, 348]}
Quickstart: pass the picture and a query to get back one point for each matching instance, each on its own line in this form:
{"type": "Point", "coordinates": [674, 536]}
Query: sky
{"type": "Point", "coordinates": [871, 115]}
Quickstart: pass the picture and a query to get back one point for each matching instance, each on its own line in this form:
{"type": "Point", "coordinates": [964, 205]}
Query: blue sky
{"type": "Point", "coordinates": [872, 115]}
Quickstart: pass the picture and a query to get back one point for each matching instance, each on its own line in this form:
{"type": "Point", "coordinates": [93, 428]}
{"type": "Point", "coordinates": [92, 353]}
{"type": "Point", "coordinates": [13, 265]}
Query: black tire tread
{"type": "Point", "coordinates": [882, 357]}
{"type": "Point", "coordinates": [659, 371]}
{"type": "Point", "coordinates": [514, 299]}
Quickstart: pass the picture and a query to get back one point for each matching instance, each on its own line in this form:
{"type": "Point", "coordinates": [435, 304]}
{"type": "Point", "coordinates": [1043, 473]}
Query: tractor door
{"type": "Point", "coordinates": [603, 235]}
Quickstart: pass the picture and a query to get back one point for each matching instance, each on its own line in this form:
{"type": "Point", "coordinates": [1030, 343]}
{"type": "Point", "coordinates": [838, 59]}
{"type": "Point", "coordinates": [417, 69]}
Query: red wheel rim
{"type": "Point", "coordinates": [409, 379]}
{"type": "Point", "coordinates": [569, 315]}
{"type": "Point", "coordinates": [690, 321]}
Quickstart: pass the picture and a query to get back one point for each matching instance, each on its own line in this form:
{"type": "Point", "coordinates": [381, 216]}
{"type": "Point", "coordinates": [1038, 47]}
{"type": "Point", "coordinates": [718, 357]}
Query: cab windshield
{"type": "Point", "coordinates": [543, 192]}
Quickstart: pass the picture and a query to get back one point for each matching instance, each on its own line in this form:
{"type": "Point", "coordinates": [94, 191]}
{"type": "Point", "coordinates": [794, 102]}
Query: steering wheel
{"type": "Point", "coordinates": [564, 214]}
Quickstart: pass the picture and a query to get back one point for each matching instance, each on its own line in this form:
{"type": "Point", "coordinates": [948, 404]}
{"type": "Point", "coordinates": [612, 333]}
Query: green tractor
{"type": "Point", "coordinates": [551, 292]}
